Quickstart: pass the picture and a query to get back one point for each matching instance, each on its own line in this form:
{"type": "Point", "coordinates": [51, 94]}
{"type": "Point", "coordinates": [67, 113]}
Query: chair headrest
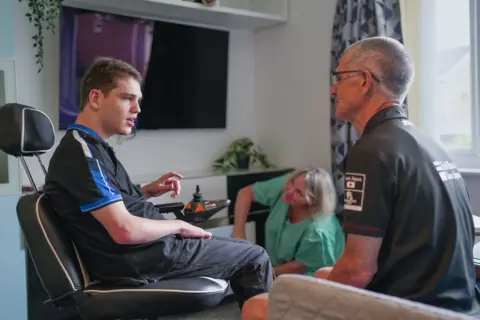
{"type": "Point", "coordinates": [25, 130]}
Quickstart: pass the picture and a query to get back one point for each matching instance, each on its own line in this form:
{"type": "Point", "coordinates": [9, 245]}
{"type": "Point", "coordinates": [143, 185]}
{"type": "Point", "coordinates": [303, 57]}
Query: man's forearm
{"type": "Point", "coordinates": [142, 230]}
{"type": "Point", "coordinates": [152, 190]}
{"type": "Point", "coordinates": [143, 190]}
{"type": "Point", "coordinates": [344, 274]}
{"type": "Point", "coordinates": [290, 267]}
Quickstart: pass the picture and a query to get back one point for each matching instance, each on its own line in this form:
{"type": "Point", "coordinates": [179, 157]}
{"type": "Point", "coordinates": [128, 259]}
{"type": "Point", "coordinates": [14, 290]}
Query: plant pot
{"type": "Point", "coordinates": [243, 162]}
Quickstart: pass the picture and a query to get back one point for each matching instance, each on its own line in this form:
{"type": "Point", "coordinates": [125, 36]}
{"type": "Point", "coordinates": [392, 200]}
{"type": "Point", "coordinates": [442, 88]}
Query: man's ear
{"type": "Point", "coordinates": [367, 83]}
{"type": "Point", "coordinates": [94, 98]}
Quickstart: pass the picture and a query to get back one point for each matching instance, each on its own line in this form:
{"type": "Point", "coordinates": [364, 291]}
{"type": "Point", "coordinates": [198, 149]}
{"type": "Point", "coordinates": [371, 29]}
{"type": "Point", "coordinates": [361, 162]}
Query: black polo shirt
{"type": "Point", "coordinates": [400, 185]}
{"type": "Point", "coordinates": [83, 175]}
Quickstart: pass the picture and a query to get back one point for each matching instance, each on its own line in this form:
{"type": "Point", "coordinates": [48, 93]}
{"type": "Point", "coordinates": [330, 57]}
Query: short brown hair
{"type": "Point", "coordinates": [102, 75]}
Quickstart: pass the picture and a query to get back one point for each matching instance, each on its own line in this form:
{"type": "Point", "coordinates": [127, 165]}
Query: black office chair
{"type": "Point", "coordinates": [26, 131]}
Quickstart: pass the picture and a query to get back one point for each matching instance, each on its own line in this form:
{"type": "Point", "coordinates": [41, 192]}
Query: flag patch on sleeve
{"type": "Point", "coordinates": [354, 191]}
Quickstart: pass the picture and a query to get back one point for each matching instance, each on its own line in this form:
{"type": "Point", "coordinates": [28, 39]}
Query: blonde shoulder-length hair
{"type": "Point", "coordinates": [320, 190]}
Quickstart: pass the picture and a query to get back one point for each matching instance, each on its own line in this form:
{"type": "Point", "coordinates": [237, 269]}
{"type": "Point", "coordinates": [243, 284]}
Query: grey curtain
{"type": "Point", "coordinates": [356, 20]}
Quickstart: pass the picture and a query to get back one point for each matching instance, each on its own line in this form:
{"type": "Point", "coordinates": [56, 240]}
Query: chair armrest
{"type": "Point", "coordinates": [170, 207]}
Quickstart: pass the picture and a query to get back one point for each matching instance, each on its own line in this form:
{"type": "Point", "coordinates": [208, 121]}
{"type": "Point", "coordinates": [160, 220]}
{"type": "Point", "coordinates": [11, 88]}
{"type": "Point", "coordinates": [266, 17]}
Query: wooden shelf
{"type": "Point", "coordinates": [226, 14]}
{"type": "Point", "coordinates": [200, 174]}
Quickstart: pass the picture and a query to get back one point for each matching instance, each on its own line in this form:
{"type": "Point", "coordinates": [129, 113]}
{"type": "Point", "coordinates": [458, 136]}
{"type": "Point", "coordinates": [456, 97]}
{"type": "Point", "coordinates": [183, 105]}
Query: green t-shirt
{"type": "Point", "coordinates": [314, 242]}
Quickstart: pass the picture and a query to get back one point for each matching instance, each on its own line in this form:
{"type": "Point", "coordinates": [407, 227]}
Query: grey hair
{"type": "Point", "coordinates": [320, 189]}
{"type": "Point", "coordinates": [388, 60]}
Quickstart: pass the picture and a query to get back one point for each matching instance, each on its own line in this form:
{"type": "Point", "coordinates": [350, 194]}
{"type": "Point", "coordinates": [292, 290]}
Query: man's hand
{"type": "Point", "coordinates": [190, 231]}
{"type": "Point", "coordinates": [166, 183]}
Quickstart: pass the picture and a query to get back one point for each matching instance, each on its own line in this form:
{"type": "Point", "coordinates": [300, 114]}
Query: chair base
{"type": "Point", "coordinates": [162, 298]}
{"type": "Point", "coordinates": [194, 295]}
{"type": "Point", "coordinates": [38, 307]}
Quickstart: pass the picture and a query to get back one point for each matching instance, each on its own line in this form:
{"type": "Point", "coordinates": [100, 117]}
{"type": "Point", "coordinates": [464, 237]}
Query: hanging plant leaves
{"type": "Point", "coordinates": [43, 14]}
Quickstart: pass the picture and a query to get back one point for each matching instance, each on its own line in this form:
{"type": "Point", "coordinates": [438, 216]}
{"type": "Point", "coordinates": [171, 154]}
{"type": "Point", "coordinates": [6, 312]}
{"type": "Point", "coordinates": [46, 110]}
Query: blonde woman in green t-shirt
{"type": "Point", "coordinates": [302, 234]}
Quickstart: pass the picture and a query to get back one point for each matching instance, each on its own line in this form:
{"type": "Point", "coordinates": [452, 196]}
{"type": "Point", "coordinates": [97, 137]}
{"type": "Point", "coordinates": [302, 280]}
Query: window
{"type": "Point", "coordinates": [441, 35]}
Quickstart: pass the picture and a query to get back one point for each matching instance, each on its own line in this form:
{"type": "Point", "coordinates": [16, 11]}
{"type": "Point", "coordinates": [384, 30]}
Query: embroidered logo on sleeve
{"type": "Point", "coordinates": [354, 191]}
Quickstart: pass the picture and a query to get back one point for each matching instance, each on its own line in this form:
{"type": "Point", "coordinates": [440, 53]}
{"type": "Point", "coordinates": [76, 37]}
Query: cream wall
{"type": "Point", "coordinates": [151, 152]}
{"type": "Point", "coordinates": [278, 95]}
{"type": "Point", "coordinates": [292, 89]}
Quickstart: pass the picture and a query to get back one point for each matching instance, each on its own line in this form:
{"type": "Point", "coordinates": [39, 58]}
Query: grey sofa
{"type": "Point", "coordinates": [299, 297]}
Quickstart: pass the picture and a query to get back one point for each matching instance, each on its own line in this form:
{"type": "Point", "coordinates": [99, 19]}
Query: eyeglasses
{"type": "Point", "coordinates": [336, 75]}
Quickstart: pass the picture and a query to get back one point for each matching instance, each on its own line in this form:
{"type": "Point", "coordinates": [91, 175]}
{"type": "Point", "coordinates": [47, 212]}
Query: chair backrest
{"type": "Point", "coordinates": [25, 132]}
{"type": "Point", "coordinates": [53, 254]}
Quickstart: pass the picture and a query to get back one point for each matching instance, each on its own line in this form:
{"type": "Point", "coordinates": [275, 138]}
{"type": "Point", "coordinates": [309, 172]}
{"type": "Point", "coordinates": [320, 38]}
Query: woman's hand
{"type": "Point", "coordinates": [239, 235]}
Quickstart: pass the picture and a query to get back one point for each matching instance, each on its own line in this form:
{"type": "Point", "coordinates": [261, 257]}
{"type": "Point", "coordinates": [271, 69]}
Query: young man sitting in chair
{"type": "Point", "coordinates": [121, 237]}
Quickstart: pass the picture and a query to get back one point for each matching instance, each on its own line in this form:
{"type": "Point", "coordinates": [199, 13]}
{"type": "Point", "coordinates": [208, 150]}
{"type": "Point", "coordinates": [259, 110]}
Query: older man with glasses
{"type": "Point", "coordinates": [407, 213]}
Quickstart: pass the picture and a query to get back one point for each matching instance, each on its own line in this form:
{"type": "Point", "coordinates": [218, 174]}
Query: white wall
{"type": "Point", "coordinates": [292, 90]}
{"type": "Point", "coordinates": [278, 95]}
{"type": "Point", "coordinates": [150, 152]}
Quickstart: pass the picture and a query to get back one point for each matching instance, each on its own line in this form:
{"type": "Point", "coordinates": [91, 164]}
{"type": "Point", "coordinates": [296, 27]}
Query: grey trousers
{"type": "Point", "coordinates": [246, 266]}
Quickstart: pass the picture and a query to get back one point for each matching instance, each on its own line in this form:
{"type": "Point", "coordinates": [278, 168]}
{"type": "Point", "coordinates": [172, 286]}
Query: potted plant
{"type": "Point", "coordinates": [242, 154]}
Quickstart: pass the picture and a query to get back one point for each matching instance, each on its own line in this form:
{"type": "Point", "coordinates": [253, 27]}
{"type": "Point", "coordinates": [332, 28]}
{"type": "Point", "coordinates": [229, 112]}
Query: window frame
{"type": "Point", "coordinates": [417, 19]}
{"type": "Point", "coordinates": [470, 158]}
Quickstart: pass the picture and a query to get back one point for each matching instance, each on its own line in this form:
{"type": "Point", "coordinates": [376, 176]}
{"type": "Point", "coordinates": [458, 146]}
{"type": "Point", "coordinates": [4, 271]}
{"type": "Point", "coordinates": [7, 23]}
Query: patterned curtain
{"type": "Point", "coordinates": [356, 20]}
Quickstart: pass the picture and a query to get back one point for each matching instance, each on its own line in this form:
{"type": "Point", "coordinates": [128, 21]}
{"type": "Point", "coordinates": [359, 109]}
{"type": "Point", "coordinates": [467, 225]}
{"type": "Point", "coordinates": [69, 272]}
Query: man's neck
{"type": "Point", "coordinates": [367, 112]}
{"type": "Point", "coordinates": [89, 122]}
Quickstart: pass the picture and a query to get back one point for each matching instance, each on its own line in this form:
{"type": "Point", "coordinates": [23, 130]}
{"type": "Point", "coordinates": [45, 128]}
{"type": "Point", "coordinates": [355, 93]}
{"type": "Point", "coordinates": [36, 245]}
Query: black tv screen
{"type": "Point", "coordinates": [185, 68]}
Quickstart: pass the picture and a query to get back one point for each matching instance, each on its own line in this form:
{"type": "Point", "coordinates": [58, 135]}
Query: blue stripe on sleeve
{"type": "Point", "coordinates": [105, 190]}
{"type": "Point", "coordinates": [100, 178]}
{"type": "Point", "coordinates": [101, 203]}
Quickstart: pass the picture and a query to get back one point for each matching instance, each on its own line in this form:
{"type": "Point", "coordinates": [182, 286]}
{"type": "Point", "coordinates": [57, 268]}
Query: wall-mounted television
{"type": "Point", "coordinates": [185, 68]}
